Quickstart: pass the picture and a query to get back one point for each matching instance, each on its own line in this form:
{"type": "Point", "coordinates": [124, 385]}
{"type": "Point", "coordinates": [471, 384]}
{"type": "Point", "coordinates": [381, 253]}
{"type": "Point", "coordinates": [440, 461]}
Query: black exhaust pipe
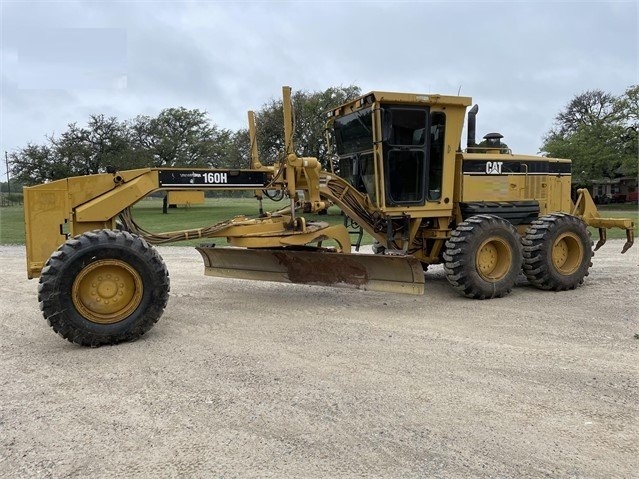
{"type": "Point", "coordinates": [472, 126]}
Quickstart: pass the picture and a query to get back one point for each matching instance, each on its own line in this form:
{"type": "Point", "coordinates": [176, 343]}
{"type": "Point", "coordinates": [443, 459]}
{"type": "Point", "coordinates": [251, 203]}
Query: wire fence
{"type": "Point", "coordinates": [13, 199]}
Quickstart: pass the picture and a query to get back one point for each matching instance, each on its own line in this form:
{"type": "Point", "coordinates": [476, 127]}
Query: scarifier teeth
{"type": "Point", "coordinates": [630, 239]}
{"type": "Point", "coordinates": [602, 238]}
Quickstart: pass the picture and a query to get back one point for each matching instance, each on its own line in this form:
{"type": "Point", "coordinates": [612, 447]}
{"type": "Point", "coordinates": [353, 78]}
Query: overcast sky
{"type": "Point", "coordinates": [520, 61]}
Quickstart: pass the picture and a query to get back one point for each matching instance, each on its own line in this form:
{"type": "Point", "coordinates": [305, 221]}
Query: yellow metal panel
{"type": "Point", "coordinates": [84, 188]}
{"type": "Point", "coordinates": [404, 99]}
{"type": "Point", "coordinates": [537, 187]}
{"type": "Point", "coordinates": [109, 204]}
{"type": "Point", "coordinates": [490, 188]}
{"type": "Point", "coordinates": [185, 197]}
{"type": "Point", "coordinates": [45, 214]}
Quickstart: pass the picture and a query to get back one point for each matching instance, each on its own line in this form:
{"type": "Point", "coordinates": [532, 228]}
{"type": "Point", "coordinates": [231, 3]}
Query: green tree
{"type": "Point", "coordinates": [628, 106]}
{"type": "Point", "coordinates": [596, 130]}
{"type": "Point", "coordinates": [237, 151]}
{"type": "Point", "coordinates": [180, 137]}
{"type": "Point", "coordinates": [309, 109]}
{"type": "Point", "coordinates": [36, 164]}
{"type": "Point", "coordinates": [13, 187]}
{"type": "Point", "coordinates": [78, 151]}
{"type": "Point", "coordinates": [592, 108]}
{"type": "Point", "coordinates": [176, 137]}
{"type": "Point", "coordinates": [104, 142]}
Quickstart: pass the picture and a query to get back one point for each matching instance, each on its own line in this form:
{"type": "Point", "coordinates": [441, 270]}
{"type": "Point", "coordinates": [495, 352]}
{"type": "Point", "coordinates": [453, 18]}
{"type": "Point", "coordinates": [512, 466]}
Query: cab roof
{"type": "Point", "coordinates": [402, 98]}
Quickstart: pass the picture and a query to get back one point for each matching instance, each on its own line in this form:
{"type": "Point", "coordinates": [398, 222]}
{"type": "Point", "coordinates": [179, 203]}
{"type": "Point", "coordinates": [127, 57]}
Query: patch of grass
{"type": "Point", "coordinates": [148, 214]}
{"type": "Point", "coordinates": [618, 207]}
{"type": "Point", "coordinates": [11, 225]}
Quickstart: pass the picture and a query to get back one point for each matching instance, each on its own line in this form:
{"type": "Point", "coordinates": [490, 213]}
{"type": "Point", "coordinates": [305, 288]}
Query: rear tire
{"type": "Point", "coordinates": [557, 252]}
{"type": "Point", "coordinates": [483, 257]}
{"type": "Point", "coordinates": [103, 287]}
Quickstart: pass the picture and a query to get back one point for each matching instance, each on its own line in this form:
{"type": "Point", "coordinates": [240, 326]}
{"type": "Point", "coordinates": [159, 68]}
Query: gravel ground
{"type": "Point", "coordinates": [247, 379]}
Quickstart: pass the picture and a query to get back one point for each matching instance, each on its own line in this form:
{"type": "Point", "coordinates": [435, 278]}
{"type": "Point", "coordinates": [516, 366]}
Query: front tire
{"type": "Point", "coordinates": [483, 257]}
{"type": "Point", "coordinates": [103, 287]}
{"type": "Point", "coordinates": [557, 252]}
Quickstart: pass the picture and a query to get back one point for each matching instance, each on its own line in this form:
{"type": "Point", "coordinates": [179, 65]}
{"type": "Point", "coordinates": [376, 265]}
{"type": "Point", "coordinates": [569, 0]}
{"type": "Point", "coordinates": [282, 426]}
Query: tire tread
{"type": "Point", "coordinates": [49, 289]}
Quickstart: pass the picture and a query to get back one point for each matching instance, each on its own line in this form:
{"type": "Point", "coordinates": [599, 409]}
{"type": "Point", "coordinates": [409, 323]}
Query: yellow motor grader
{"type": "Point", "coordinates": [398, 171]}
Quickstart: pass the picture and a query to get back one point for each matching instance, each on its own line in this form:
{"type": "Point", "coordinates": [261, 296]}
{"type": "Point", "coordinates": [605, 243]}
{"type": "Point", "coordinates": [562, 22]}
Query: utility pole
{"type": "Point", "coordinates": [6, 159]}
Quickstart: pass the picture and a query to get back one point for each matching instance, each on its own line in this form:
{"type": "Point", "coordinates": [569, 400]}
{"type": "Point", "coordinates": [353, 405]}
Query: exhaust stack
{"type": "Point", "coordinates": [472, 126]}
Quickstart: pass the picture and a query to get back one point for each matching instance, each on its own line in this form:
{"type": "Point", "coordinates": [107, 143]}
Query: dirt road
{"type": "Point", "coordinates": [245, 379]}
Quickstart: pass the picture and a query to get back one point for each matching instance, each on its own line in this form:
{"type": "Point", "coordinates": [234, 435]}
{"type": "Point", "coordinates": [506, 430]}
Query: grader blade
{"type": "Point", "coordinates": [396, 274]}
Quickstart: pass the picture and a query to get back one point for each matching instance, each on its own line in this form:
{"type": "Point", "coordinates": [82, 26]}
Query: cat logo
{"type": "Point", "coordinates": [493, 167]}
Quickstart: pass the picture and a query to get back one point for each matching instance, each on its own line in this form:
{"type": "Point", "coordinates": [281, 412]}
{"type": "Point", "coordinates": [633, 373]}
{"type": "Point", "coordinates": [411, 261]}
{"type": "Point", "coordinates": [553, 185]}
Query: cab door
{"type": "Point", "coordinates": [405, 155]}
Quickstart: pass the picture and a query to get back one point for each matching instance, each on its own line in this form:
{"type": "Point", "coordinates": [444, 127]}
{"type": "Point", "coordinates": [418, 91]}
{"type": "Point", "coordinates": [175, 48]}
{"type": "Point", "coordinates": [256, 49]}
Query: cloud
{"type": "Point", "coordinates": [70, 58]}
{"type": "Point", "coordinates": [521, 61]}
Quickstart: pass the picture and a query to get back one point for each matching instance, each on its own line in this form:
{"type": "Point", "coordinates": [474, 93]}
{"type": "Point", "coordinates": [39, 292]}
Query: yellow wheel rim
{"type": "Point", "coordinates": [567, 253]}
{"type": "Point", "coordinates": [107, 291]}
{"type": "Point", "coordinates": [494, 258]}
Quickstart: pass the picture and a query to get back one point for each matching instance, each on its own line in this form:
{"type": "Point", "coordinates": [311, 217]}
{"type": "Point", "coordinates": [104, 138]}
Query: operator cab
{"type": "Point", "coordinates": [405, 134]}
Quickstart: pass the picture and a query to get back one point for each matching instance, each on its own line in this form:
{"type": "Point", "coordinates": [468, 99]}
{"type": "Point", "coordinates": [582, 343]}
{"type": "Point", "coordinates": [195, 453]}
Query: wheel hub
{"type": "Point", "coordinates": [494, 258]}
{"type": "Point", "coordinates": [107, 291]}
{"type": "Point", "coordinates": [567, 253]}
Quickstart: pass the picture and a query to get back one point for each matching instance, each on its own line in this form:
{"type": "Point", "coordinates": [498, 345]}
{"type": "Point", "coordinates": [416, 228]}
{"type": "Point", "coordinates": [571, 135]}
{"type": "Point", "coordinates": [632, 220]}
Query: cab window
{"type": "Point", "coordinates": [405, 155]}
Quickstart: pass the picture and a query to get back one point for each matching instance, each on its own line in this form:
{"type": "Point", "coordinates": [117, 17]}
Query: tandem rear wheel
{"type": "Point", "coordinates": [103, 287]}
{"type": "Point", "coordinates": [557, 252]}
{"type": "Point", "coordinates": [485, 255]}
